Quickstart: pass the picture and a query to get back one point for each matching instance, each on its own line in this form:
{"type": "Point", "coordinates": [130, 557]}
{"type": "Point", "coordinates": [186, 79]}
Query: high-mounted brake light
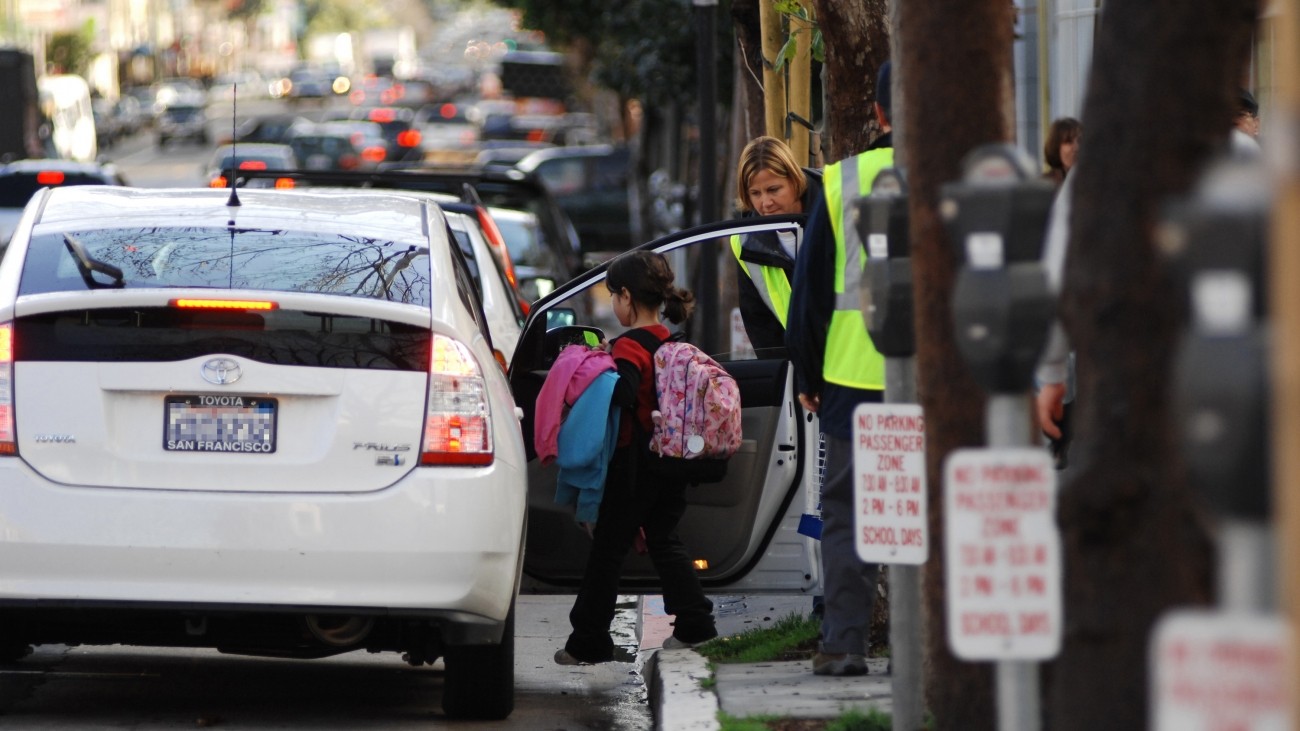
{"type": "Point", "coordinates": [8, 444]}
{"type": "Point", "coordinates": [497, 242]}
{"type": "Point", "coordinates": [219, 304]}
{"type": "Point", "coordinates": [457, 422]}
{"type": "Point", "coordinates": [50, 177]}
{"type": "Point", "coordinates": [252, 165]}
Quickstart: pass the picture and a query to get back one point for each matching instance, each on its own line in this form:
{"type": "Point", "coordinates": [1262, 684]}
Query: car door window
{"type": "Point", "coordinates": [728, 525]}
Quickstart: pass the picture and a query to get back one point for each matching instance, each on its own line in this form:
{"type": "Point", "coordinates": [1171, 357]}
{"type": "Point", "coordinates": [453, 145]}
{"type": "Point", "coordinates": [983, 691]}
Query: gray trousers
{"type": "Point", "coordinates": [850, 584]}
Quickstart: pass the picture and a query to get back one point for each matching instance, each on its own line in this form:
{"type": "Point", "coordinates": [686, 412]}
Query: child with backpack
{"type": "Point", "coordinates": [640, 284]}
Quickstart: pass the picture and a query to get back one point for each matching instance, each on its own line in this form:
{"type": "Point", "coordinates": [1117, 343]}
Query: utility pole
{"type": "Point", "coordinates": [800, 90]}
{"type": "Point", "coordinates": [773, 80]}
{"type": "Point", "coordinates": [1284, 259]}
{"type": "Point", "coordinates": [706, 66]}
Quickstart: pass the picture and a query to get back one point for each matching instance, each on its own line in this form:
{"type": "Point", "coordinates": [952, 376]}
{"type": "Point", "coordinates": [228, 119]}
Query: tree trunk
{"type": "Point", "coordinates": [1160, 100]}
{"type": "Point", "coordinates": [856, 36]}
{"type": "Point", "coordinates": [749, 59]}
{"type": "Point", "coordinates": [953, 58]}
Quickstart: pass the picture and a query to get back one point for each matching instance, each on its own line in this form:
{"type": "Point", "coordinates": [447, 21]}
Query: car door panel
{"type": "Point", "coordinates": [739, 529]}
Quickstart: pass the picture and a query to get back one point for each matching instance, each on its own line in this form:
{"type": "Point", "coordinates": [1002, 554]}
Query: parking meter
{"type": "Point", "coordinates": [886, 289]}
{"type": "Point", "coordinates": [996, 217]}
{"type": "Point", "coordinates": [1218, 241]}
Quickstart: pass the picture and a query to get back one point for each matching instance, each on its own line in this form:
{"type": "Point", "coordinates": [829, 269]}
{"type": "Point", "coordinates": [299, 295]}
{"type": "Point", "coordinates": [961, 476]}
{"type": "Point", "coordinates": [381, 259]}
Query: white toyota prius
{"type": "Point", "coordinates": [271, 425]}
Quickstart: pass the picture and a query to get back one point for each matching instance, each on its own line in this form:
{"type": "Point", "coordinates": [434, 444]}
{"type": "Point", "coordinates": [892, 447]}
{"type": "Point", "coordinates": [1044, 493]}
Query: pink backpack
{"type": "Point", "coordinates": [697, 426]}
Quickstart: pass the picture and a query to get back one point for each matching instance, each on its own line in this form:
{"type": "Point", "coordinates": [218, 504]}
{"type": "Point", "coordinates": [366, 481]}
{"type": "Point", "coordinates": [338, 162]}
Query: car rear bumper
{"type": "Point", "coordinates": [419, 547]}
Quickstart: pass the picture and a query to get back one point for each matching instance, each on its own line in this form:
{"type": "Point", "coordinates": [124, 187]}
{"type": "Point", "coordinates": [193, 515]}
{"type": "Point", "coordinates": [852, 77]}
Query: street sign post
{"type": "Point", "coordinates": [1221, 670]}
{"type": "Point", "coordinates": [889, 485]}
{"type": "Point", "coordinates": [1003, 553]}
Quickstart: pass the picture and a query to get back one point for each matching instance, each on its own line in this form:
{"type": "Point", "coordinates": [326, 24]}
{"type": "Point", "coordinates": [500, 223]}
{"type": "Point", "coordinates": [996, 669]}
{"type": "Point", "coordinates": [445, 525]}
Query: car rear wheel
{"type": "Point", "coordinates": [480, 679]}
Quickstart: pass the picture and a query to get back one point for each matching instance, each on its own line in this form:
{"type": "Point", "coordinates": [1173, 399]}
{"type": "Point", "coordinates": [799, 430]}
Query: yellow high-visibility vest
{"type": "Point", "coordinates": [771, 282]}
{"type": "Point", "coordinates": [851, 359]}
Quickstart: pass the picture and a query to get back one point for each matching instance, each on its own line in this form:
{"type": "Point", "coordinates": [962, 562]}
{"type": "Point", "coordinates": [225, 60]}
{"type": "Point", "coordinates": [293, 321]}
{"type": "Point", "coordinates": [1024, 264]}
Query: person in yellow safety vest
{"type": "Point", "coordinates": [769, 183]}
{"type": "Point", "coordinates": [837, 368]}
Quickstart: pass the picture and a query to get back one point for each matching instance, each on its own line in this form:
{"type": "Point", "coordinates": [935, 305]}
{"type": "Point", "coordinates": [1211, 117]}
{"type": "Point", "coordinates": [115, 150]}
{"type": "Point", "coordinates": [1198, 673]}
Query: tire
{"type": "Point", "coordinates": [162, 141]}
{"type": "Point", "coordinates": [480, 679]}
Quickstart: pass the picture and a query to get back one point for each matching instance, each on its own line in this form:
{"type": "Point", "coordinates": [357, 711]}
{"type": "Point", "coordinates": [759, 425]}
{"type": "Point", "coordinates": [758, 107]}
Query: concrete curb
{"type": "Point", "coordinates": [677, 700]}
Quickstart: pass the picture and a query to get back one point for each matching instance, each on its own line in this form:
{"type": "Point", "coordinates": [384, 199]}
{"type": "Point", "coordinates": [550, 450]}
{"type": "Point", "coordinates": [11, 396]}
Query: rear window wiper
{"type": "Point", "coordinates": [87, 265]}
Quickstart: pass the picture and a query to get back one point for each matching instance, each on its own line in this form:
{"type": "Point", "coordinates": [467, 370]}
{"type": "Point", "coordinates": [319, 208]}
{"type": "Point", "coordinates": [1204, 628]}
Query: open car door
{"type": "Point", "coordinates": [743, 532]}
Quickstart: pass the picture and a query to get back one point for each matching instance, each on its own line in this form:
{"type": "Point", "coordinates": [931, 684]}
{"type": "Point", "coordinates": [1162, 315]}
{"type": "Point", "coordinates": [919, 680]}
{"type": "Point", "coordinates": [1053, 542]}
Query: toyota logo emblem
{"type": "Point", "coordinates": [221, 371]}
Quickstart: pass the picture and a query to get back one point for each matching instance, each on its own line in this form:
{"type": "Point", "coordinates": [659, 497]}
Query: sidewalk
{"type": "Point", "coordinates": [781, 689]}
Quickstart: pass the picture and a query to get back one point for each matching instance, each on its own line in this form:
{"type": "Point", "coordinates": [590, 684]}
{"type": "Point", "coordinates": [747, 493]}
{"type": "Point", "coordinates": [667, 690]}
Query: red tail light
{"type": "Point", "coordinates": [284, 183]}
{"type": "Point", "coordinates": [218, 182]}
{"type": "Point", "coordinates": [8, 443]}
{"type": "Point", "coordinates": [374, 153]}
{"type": "Point", "coordinates": [50, 177]}
{"type": "Point", "coordinates": [447, 111]}
{"type": "Point", "coordinates": [457, 422]}
{"type": "Point", "coordinates": [409, 138]}
{"type": "Point", "coordinates": [347, 162]}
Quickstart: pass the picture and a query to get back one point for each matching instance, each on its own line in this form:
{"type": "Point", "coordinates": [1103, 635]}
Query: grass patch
{"type": "Point", "coordinates": [792, 637]}
{"type": "Point", "coordinates": [850, 720]}
{"type": "Point", "coordinates": [855, 720]}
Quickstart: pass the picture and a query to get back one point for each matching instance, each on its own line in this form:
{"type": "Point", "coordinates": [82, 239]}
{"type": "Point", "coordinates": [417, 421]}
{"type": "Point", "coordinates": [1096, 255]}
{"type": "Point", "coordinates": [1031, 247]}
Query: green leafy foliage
{"type": "Point", "coordinates": [797, 10]}
{"type": "Point", "coordinates": [70, 52]}
{"type": "Point", "coordinates": [642, 49]}
{"type": "Point", "coordinates": [247, 8]}
{"type": "Point", "coordinates": [339, 16]}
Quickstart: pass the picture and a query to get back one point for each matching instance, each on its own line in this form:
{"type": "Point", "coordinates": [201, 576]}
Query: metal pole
{"type": "Point", "coordinates": [1008, 425]}
{"type": "Point", "coordinates": [904, 591]}
{"type": "Point", "coordinates": [1247, 567]}
{"type": "Point", "coordinates": [706, 292]}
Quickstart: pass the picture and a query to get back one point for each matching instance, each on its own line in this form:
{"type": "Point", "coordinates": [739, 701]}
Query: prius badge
{"type": "Point", "coordinates": [221, 371]}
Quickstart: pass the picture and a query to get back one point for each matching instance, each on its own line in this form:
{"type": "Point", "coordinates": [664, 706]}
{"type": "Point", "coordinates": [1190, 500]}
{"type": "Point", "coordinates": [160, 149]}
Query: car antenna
{"type": "Point", "coordinates": [234, 148]}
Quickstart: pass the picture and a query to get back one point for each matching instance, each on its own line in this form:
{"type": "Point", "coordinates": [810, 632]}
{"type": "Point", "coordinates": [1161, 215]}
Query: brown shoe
{"type": "Point", "coordinates": [839, 665]}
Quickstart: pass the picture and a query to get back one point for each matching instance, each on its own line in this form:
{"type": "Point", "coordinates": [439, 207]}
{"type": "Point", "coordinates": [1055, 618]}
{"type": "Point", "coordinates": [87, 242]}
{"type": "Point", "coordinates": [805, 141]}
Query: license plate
{"type": "Point", "coordinates": [242, 424]}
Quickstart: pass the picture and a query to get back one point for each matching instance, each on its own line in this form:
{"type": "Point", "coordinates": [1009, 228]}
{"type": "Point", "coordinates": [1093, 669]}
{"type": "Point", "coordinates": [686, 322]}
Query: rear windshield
{"type": "Point", "coordinates": [18, 188]}
{"type": "Point", "coordinates": [227, 258]}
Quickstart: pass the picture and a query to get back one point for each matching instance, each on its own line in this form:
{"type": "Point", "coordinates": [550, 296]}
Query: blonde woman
{"type": "Point", "coordinates": [769, 183]}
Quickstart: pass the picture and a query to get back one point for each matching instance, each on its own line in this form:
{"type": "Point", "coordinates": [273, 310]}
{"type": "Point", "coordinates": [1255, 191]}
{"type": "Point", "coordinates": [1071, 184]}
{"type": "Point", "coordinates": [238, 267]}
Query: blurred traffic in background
{"type": "Point", "coordinates": [479, 93]}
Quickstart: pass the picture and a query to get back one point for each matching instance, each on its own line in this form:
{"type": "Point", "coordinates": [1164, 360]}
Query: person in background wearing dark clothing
{"type": "Point", "coordinates": [640, 285]}
{"type": "Point", "coordinates": [1061, 148]}
{"type": "Point", "coordinates": [837, 368]}
{"type": "Point", "coordinates": [769, 183]}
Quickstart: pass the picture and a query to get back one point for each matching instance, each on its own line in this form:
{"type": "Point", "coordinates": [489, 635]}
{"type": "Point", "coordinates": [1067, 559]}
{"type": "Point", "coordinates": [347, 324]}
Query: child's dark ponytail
{"type": "Point", "coordinates": [649, 279]}
{"type": "Point", "coordinates": [678, 304]}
